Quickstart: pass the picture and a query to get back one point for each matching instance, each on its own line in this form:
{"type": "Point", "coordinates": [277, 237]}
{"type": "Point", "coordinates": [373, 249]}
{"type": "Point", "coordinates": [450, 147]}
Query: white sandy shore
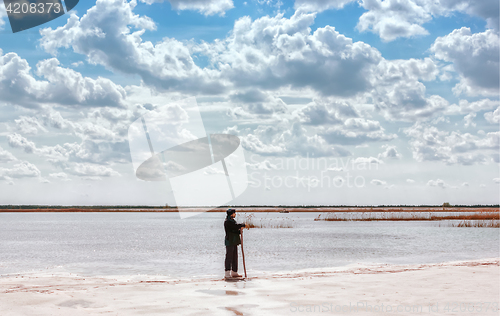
{"type": "Point", "coordinates": [452, 288]}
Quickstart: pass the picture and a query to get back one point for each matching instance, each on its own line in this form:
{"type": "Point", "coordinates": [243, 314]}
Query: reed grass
{"type": "Point", "coordinates": [467, 223]}
{"type": "Point", "coordinates": [405, 216]}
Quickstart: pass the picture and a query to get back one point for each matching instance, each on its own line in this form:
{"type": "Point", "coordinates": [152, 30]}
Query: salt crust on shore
{"type": "Point", "coordinates": [451, 288]}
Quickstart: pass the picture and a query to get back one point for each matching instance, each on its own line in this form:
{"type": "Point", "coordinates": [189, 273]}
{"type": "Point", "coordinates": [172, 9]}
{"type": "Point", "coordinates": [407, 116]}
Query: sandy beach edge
{"type": "Point", "coordinates": [449, 288]}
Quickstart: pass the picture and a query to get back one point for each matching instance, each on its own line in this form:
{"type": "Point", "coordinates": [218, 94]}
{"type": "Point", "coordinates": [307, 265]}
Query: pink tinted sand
{"type": "Point", "coordinates": [452, 288]}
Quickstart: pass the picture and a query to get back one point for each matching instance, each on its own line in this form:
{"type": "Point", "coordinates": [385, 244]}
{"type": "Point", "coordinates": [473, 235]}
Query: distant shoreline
{"type": "Point", "coordinates": [252, 209]}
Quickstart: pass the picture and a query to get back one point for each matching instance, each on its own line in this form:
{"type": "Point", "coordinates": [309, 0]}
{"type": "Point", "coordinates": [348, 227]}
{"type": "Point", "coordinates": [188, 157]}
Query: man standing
{"type": "Point", "coordinates": [232, 241]}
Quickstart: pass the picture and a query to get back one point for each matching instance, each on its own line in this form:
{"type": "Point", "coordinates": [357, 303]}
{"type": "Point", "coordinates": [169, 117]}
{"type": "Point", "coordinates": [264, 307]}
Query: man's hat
{"type": "Point", "coordinates": [230, 211]}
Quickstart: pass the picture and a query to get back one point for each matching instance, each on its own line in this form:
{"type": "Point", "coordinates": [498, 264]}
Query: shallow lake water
{"type": "Point", "coordinates": [163, 244]}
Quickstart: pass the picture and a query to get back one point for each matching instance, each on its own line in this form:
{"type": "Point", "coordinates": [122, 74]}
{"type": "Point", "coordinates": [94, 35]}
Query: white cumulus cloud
{"type": "Point", "coordinates": [6, 156]}
{"type": "Point", "coordinates": [63, 86]}
{"type": "Point", "coordinates": [22, 169]}
{"type": "Point", "coordinates": [390, 152]}
{"type": "Point", "coordinates": [493, 117]}
{"type": "Point", "coordinates": [438, 183]}
{"type": "Point", "coordinates": [475, 57]}
{"type": "Point", "coordinates": [428, 143]}
{"type": "Point", "coordinates": [207, 7]}
{"type": "Point", "coordinates": [320, 5]}
{"type": "Point", "coordinates": [60, 176]}
{"type": "Point", "coordinates": [104, 34]}
{"type": "Point", "coordinates": [392, 19]}
{"type": "Point", "coordinates": [91, 170]}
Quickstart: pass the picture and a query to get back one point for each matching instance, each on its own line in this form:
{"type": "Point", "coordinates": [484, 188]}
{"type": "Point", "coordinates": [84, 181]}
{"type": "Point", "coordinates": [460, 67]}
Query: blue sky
{"type": "Point", "coordinates": [401, 95]}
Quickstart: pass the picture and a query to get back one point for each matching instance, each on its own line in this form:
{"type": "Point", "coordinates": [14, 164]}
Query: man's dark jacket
{"type": "Point", "coordinates": [232, 232]}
